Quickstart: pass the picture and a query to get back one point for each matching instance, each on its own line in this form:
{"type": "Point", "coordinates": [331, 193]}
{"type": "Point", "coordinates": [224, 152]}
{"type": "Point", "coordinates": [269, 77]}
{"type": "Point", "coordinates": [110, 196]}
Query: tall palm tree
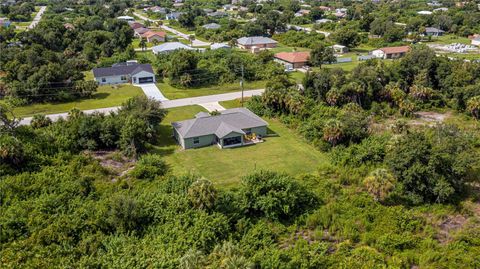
{"type": "Point", "coordinates": [191, 38]}
{"type": "Point", "coordinates": [333, 132]}
{"type": "Point", "coordinates": [143, 44]}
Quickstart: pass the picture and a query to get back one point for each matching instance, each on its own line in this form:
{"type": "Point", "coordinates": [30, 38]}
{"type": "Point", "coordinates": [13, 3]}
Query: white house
{"type": "Point", "coordinates": [424, 12]}
{"type": "Point", "coordinates": [128, 72]}
{"type": "Point", "coordinates": [390, 52]}
{"type": "Point", "coordinates": [126, 18]}
{"type": "Point", "coordinates": [216, 46]}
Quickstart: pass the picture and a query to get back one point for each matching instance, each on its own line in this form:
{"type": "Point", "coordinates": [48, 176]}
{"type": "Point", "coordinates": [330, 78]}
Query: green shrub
{"type": "Point", "coordinates": [149, 166]}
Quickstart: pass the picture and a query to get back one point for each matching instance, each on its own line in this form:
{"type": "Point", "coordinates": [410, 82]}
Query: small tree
{"type": "Point", "coordinates": [39, 121]}
{"type": "Point", "coordinates": [379, 184]}
{"type": "Point", "coordinates": [321, 54]}
{"type": "Point", "coordinates": [143, 44]}
{"type": "Point", "coordinates": [191, 38]}
{"type": "Point", "coordinates": [202, 194]}
{"type": "Point", "coordinates": [333, 132]}
{"type": "Point", "coordinates": [473, 106]}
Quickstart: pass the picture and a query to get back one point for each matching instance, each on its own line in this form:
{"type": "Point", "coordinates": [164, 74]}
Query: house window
{"type": "Point", "coordinates": [196, 140]}
{"type": "Point", "coordinates": [104, 80]}
{"type": "Point", "coordinates": [123, 78]}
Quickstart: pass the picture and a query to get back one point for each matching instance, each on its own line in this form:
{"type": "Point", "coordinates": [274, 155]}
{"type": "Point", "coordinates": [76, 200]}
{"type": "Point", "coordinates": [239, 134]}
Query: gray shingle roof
{"type": "Point", "coordinates": [230, 120]}
{"type": "Point", "coordinates": [255, 40]}
{"type": "Point", "coordinates": [212, 26]}
{"type": "Point", "coordinates": [433, 30]}
{"type": "Point", "coordinates": [122, 70]}
{"type": "Point", "coordinates": [170, 46]}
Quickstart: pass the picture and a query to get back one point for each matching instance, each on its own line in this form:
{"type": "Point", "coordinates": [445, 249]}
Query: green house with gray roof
{"type": "Point", "coordinates": [231, 128]}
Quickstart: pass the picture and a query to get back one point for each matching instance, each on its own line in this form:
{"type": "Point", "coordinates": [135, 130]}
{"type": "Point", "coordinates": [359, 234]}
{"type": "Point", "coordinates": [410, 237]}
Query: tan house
{"type": "Point", "coordinates": [152, 36]}
{"type": "Point", "coordinates": [390, 52]}
{"type": "Point", "coordinates": [255, 43]}
{"type": "Point", "coordinates": [293, 60]}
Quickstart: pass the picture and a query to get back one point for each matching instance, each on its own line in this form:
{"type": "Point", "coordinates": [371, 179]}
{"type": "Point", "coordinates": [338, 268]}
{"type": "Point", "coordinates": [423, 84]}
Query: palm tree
{"type": "Point", "coordinates": [192, 259]}
{"type": "Point", "coordinates": [202, 194]}
{"type": "Point", "coordinates": [379, 184]}
{"type": "Point", "coordinates": [333, 132]}
{"type": "Point", "coordinates": [143, 43]}
{"type": "Point", "coordinates": [473, 106]}
{"type": "Point", "coordinates": [233, 42]}
{"type": "Point", "coordinates": [191, 38]}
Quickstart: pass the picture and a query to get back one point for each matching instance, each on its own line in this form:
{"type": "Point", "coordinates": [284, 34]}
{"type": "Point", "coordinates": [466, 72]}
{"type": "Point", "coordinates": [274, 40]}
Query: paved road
{"type": "Point", "coordinates": [151, 91]}
{"type": "Point", "coordinates": [143, 17]}
{"type": "Point", "coordinates": [195, 43]}
{"type": "Point", "coordinates": [37, 18]}
{"type": "Point", "coordinates": [165, 104]}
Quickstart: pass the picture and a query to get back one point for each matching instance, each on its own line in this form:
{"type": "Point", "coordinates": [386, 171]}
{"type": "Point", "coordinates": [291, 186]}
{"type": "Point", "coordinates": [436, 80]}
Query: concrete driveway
{"type": "Point", "coordinates": [37, 18]}
{"type": "Point", "coordinates": [212, 106]}
{"type": "Point", "coordinates": [151, 91]}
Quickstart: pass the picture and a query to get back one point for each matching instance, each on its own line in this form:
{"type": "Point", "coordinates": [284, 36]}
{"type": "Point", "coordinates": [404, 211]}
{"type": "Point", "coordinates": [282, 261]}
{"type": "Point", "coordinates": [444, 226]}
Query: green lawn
{"type": "Point", "coordinates": [136, 44]}
{"type": "Point", "coordinates": [297, 76]}
{"type": "Point", "coordinates": [232, 103]}
{"type": "Point", "coordinates": [175, 93]}
{"type": "Point", "coordinates": [148, 54]}
{"type": "Point", "coordinates": [225, 167]}
{"type": "Point", "coordinates": [449, 39]}
{"type": "Point", "coordinates": [284, 48]}
{"type": "Point", "coordinates": [106, 96]}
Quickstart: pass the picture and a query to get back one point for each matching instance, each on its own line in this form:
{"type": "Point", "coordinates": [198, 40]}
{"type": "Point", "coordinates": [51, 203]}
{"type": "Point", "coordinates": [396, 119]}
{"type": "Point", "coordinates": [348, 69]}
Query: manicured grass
{"type": "Point", "coordinates": [145, 54]}
{"type": "Point", "coordinates": [297, 76]}
{"type": "Point", "coordinates": [136, 44]}
{"type": "Point", "coordinates": [106, 96]}
{"type": "Point", "coordinates": [225, 167]}
{"type": "Point", "coordinates": [233, 103]}
{"type": "Point", "coordinates": [345, 66]}
{"type": "Point", "coordinates": [175, 93]}
{"type": "Point", "coordinates": [284, 48]}
{"type": "Point", "coordinates": [449, 39]}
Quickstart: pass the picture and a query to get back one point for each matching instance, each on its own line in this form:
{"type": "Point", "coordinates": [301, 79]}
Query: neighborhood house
{"type": "Point", "coordinates": [155, 36]}
{"type": "Point", "coordinates": [231, 128]}
{"type": "Point", "coordinates": [293, 60]}
{"type": "Point", "coordinates": [390, 52]}
{"type": "Point", "coordinates": [128, 72]}
{"type": "Point", "coordinates": [255, 43]}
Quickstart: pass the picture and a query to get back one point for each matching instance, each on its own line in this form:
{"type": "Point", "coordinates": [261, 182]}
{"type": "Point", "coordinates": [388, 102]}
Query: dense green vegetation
{"type": "Point", "coordinates": [46, 63]}
{"type": "Point", "coordinates": [186, 68]}
{"type": "Point", "coordinates": [351, 173]}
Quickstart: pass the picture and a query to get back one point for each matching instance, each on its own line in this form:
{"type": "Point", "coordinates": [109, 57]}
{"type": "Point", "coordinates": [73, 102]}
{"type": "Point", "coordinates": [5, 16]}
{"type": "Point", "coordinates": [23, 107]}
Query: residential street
{"type": "Point", "coordinates": [165, 104]}
{"type": "Point", "coordinates": [37, 18]}
{"type": "Point", "coordinates": [195, 43]}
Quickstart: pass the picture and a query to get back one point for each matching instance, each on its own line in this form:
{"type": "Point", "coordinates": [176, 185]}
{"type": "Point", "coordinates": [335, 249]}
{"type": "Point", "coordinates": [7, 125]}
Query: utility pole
{"type": "Point", "coordinates": [241, 84]}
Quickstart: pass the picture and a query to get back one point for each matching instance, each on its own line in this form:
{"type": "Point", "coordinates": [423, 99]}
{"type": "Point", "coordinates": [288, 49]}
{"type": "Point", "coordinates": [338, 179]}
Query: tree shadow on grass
{"type": "Point", "coordinates": [99, 95]}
